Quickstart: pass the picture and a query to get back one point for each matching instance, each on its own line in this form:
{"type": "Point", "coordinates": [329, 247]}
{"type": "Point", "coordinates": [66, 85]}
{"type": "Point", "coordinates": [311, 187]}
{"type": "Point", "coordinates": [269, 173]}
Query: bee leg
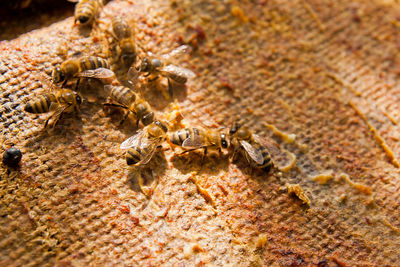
{"type": "Point", "coordinates": [204, 155]}
{"type": "Point", "coordinates": [64, 83]}
{"type": "Point", "coordinates": [189, 150]}
{"type": "Point", "coordinates": [77, 84]}
{"type": "Point", "coordinates": [124, 119]}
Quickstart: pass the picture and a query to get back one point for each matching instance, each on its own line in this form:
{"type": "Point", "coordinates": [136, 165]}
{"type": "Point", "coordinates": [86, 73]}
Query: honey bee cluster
{"type": "Point", "coordinates": [124, 48]}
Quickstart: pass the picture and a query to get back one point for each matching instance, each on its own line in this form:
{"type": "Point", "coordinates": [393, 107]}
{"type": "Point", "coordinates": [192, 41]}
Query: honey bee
{"type": "Point", "coordinates": [159, 67]}
{"type": "Point", "coordinates": [141, 146]}
{"type": "Point", "coordinates": [127, 99]}
{"type": "Point", "coordinates": [253, 146]}
{"type": "Point", "coordinates": [194, 138]}
{"type": "Point", "coordinates": [124, 36]}
{"type": "Point", "coordinates": [86, 11]}
{"type": "Point", "coordinates": [63, 100]}
{"type": "Point", "coordinates": [88, 66]}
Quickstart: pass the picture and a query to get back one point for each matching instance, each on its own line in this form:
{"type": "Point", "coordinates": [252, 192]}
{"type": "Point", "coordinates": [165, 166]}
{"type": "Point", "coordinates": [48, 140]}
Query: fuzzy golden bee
{"type": "Point", "coordinates": [195, 138]}
{"type": "Point", "coordinates": [253, 147]}
{"type": "Point", "coordinates": [123, 34]}
{"type": "Point", "coordinates": [127, 99]}
{"type": "Point", "coordinates": [86, 11]}
{"type": "Point", "coordinates": [64, 100]}
{"type": "Point", "coordinates": [142, 146]}
{"type": "Point", "coordinates": [87, 66]}
{"type": "Point", "coordinates": [155, 67]}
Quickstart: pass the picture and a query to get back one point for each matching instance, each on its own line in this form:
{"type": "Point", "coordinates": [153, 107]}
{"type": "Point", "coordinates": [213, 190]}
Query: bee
{"type": "Point", "coordinates": [127, 99]}
{"type": "Point", "coordinates": [195, 138]}
{"type": "Point", "coordinates": [123, 34]}
{"type": "Point", "coordinates": [159, 67]}
{"type": "Point", "coordinates": [63, 100]}
{"type": "Point", "coordinates": [87, 66]}
{"type": "Point", "coordinates": [254, 148]}
{"type": "Point", "coordinates": [86, 11]}
{"type": "Point", "coordinates": [141, 146]}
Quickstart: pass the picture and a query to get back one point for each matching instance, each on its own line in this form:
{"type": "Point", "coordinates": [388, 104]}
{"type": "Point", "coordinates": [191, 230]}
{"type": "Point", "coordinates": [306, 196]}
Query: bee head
{"type": "Point", "coordinates": [224, 141]}
{"type": "Point", "coordinates": [147, 118]}
{"type": "Point", "coordinates": [145, 65]}
{"type": "Point", "coordinates": [57, 75]}
{"type": "Point", "coordinates": [78, 99]}
{"type": "Point", "coordinates": [235, 127]}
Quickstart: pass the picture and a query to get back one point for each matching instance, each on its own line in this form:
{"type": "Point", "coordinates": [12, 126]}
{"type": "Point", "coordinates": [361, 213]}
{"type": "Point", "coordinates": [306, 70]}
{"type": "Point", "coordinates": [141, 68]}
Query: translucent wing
{"type": "Point", "coordinates": [194, 140]}
{"type": "Point", "coordinates": [133, 76]}
{"type": "Point", "coordinates": [183, 49]}
{"type": "Point", "coordinates": [151, 147]}
{"type": "Point", "coordinates": [280, 157]}
{"type": "Point", "coordinates": [73, 1]}
{"type": "Point", "coordinates": [100, 73]}
{"type": "Point", "coordinates": [178, 71]}
{"type": "Point", "coordinates": [108, 87]}
{"type": "Point", "coordinates": [134, 140]}
{"type": "Point", "coordinates": [268, 143]}
{"type": "Point", "coordinates": [253, 153]}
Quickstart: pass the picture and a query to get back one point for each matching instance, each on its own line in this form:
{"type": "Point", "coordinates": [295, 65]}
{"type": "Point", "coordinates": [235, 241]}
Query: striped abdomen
{"type": "Point", "coordinates": [179, 136]}
{"type": "Point", "coordinates": [120, 28]}
{"type": "Point", "coordinates": [135, 155]}
{"type": "Point", "coordinates": [86, 10]}
{"type": "Point", "coordinates": [123, 95]}
{"type": "Point", "coordinates": [267, 163]}
{"type": "Point", "coordinates": [40, 104]}
{"type": "Point", "coordinates": [177, 78]}
{"type": "Point", "coordinates": [91, 63]}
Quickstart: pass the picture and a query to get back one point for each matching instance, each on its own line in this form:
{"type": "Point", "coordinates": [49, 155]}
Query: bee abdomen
{"type": "Point", "coordinates": [267, 164]}
{"type": "Point", "coordinates": [85, 11]}
{"type": "Point", "coordinates": [123, 95]}
{"type": "Point", "coordinates": [91, 63]}
{"type": "Point", "coordinates": [178, 78]}
{"type": "Point", "coordinates": [180, 136]}
{"type": "Point", "coordinates": [41, 104]}
{"type": "Point", "coordinates": [133, 155]}
{"type": "Point", "coordinates": [120, 28]}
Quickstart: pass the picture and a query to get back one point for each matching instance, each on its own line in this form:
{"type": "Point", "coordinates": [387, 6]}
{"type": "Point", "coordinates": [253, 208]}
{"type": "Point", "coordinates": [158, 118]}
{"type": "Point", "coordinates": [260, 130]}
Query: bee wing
{"type": "Point", "coordinates": [193, 141]}
{"type": "Point", "coordinates": [270, 144]}
{"type": "Point", "coordinates": [133, 75]}
{"type": "Point", "coordinates": [254, 153]}
{"type": "Point", "coordinates": [280, 156]}
{"type": "Point", "coordinates": [179, 71]}
{"type": "Point", "coordinates": [183, 49]}
{"type": "Point", "coordinates": [152, 147]}
{"type": "Point", "coordinates": [73, 1]}
{"type": "Point", "coordinates": [134, 140]}
{"type": "Point", "coordinates": [97, 73]}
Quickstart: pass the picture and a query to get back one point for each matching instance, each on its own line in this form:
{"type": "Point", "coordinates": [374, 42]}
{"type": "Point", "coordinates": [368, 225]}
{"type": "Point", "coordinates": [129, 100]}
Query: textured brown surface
{"type": "Point", "coordinates": [326, 71]}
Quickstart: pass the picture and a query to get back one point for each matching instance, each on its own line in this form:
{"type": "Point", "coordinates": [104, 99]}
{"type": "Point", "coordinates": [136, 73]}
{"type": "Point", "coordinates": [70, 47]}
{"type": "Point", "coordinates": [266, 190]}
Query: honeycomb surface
{"type": "Point", "coordinates": [325, 71]}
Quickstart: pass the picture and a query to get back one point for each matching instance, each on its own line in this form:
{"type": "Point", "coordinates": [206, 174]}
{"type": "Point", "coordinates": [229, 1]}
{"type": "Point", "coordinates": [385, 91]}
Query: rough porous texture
{"type": "Point", "coordinates": [326, 71]}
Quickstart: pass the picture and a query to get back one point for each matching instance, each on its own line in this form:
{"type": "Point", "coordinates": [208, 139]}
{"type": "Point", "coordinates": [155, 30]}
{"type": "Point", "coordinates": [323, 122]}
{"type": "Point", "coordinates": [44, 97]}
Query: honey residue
{"type": "Point", "coordinates": [322, 178]}
{"type": "Point", "coordinates": [320, 25]}
{"type": "Point", "coordinates": [298, 191]}
{"type": "Point", "coordinates": [377, 137]}
{"type": "Point", "coordinates": [261, 241]}
{"type": "Point", "coordinates": [238, 12]}
{"type": "Point", "coordinates": [288, 138]}
{"type": "Point", "coordinates": [360, 187]}
{"type": "Point", "coordinates": [291, 164]}
{"type": "Point", "coordinates": [391, 226]}
{"type": "Point", "coordinates": [203, 191]}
